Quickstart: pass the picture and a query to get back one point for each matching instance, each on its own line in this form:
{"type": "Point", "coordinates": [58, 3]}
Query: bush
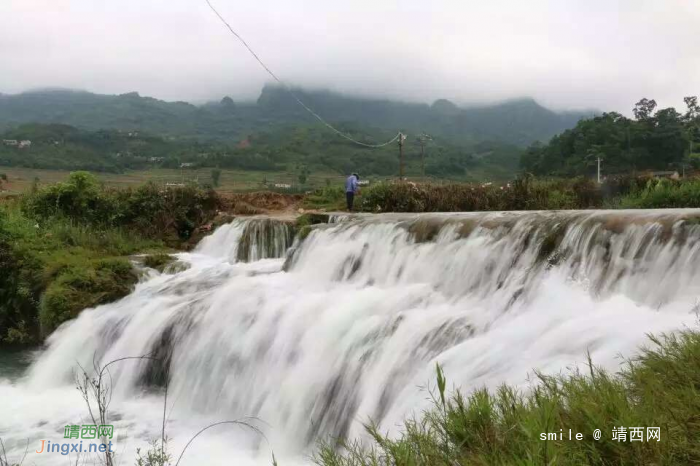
{"type": "Point", "coordinates": [156, 211]}
{"type": "Point", "coordinates": [153, 211]}
{"type": "Point", "coordinates": [79, 198]}
{"type": "Point", "coordinates": [20, 291]}
{"type": "Point", "coordinates": [664, 193]}
{"type": "Point", "coordinates": [528, 193]}
{"type": "Point", "coordinates": [525, 193]}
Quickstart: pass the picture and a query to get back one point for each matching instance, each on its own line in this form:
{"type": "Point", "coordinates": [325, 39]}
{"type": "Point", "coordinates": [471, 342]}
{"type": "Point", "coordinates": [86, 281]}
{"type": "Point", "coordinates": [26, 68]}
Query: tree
{"type": "Point", "coordinates": [303, 174]}
{"type": "Point", "coordinates": [656, 140]}
{"type": "Point", "coordinates": [644, 109]}
{"type": "Point", "coordinates": [692, 122]}
{"type": "Point", "coordinates": [693, 108]}
{"type": "Point", "coordinates": [215, 175]}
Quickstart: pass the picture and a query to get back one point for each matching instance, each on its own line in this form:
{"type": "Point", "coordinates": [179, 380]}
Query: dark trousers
{"type": "Point", "coordinates": [350, 197]}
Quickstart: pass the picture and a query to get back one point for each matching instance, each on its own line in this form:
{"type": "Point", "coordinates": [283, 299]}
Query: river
{"type": "Point", "coordinates": [308, 340]}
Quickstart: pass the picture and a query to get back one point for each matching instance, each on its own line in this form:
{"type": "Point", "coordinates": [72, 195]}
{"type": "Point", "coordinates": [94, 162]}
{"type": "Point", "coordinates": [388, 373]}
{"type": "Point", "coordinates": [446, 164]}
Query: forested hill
{"type": "Point", "coordinates": [655, 139]}
{"type": "Point", "coordinates": [517, 122]}
{"type": "Point", "coordinates": [294, 149]}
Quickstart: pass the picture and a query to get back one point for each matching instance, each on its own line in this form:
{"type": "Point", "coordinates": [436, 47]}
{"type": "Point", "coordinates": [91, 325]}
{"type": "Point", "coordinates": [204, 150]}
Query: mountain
{"type": "Point", "coordinates": [518, 122]}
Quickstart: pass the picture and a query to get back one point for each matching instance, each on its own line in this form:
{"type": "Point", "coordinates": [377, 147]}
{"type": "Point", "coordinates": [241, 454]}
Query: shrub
{"type": "Point", "coordinates": [659, 194]}
{"type": "Point", "coordinates": [151, 210]}
{"type": "Point", "coordinates": [528, 193]}
{"type": "Point", "coordinates": [20, 282]}
{"type": "Point", "coordinates": [79, 198]}
{"type": "Point", "coordinates": [525, 193]}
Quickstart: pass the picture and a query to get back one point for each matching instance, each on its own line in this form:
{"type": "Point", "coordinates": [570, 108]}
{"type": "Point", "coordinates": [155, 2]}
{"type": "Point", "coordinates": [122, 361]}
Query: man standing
{"type": "Point", "coordinates": [351, 188]}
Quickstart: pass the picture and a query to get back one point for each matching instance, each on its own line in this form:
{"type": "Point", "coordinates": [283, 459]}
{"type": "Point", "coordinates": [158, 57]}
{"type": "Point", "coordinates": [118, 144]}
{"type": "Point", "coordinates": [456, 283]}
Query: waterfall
{"type": "Point", "coordinates": [350, 328]}
{"type": "Point", "coordinates": [248, 240]}
{"type": "Point", "coordinates": [264, 239]}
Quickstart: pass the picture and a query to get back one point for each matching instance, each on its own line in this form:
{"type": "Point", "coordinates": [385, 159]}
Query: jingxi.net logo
{"type": "Point", "coordinates": [101, 434]}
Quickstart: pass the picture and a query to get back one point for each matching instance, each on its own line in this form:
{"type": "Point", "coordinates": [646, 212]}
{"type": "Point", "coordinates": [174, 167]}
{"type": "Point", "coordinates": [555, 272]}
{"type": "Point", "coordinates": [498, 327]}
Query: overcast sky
{"type": "Point", "coordinates": [603, 54]}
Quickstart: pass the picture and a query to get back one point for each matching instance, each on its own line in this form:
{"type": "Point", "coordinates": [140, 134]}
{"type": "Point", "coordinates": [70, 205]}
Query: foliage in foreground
{"type": "Point", "coordinates": [64, 247]}
{"type": "Point", "coordinates": [54, 268]}
{"type": "Point", "coordinates": [658, 389]}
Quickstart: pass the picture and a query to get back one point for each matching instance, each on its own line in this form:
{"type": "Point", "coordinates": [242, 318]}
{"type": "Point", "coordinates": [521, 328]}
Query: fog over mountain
{"type": "Point", "coordinates": [566, 55]}
{"type": "Point", "coordinates": [519, 121]}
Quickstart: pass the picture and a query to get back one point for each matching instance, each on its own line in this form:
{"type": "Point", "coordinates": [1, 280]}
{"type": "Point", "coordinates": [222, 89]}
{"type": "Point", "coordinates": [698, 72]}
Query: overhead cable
{"type": "Point", "coordinates": [293, 94]}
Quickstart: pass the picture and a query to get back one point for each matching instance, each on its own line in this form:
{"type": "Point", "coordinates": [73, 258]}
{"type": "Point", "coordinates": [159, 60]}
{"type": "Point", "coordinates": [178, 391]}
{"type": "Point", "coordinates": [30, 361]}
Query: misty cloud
{"type": "Point", "coordinates": [566, 54]}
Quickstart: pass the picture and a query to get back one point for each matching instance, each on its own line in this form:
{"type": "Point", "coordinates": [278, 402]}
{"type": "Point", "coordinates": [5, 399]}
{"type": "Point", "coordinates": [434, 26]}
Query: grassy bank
{"type": "Point", "coordinates": [658, 389]}
{"type": "Point", "coordinates": [525, 193]}
{"type": "Point", "coordinates": [64, 247]}
{"type": "Point", "coordinates": [662, 194]}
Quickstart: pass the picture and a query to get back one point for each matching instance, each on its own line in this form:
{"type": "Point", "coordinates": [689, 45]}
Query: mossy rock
{"type": "Point", "coordinates": [304, 223]}
{"type": "Point", "coordinates": [425, 230]}
{"type": "Point", "coordinates": [303, 232]}
{"type": "Point", "coordinates": [76, 288]}
{"type": "Point", "coordinates": [159, 261]}
{"type": "Point", "coordinates": [311, 218]}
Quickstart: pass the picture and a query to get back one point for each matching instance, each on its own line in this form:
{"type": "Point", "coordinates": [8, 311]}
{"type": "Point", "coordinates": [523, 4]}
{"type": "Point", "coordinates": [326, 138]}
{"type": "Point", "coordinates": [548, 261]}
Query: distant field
{"type": "Point", "coordinates": [20, 179]}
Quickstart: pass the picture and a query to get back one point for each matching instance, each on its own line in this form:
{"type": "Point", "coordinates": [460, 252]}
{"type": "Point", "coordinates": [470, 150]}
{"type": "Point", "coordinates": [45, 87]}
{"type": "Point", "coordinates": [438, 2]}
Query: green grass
{"type": "Point", "coordinates": [330, 198]}
{"type": "Point", "coordinates": [660, 388]}
{"type": "Point", "coordinates": [75, 288]}
{"type": "Point", "coordinates": [54, 267]}
{"type": "Point", "coordinates": [661, 194]}
{"type": "Point", "coordinates": [64, 247]}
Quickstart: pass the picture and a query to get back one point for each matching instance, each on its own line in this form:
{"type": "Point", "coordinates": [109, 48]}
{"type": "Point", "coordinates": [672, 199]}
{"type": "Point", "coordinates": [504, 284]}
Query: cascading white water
{"type": "Point", "coordinates": [354, 327]}
{"type": "Point", "coordinates": [248, 240]}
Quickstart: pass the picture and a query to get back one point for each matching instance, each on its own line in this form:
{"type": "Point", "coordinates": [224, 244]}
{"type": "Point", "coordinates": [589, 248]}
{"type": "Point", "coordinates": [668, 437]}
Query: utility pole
{"type": "Point", "coordinates": [402, 138]}
{"type": "Point", "coordinates": [599, 170]}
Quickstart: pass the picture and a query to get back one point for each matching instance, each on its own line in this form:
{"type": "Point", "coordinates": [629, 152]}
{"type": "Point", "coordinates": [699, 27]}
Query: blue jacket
{"type": "Point", "coordinates": [351, 184]}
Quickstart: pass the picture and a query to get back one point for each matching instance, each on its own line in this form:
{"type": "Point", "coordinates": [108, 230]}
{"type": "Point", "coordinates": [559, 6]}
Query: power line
{"type": "Point", "coordinates": [274, 76]}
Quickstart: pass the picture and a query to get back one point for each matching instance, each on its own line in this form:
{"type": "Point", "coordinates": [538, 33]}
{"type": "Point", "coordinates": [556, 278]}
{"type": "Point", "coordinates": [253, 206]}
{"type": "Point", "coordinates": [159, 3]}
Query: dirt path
{"type": "Point", "coordinates": [264, 202]}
